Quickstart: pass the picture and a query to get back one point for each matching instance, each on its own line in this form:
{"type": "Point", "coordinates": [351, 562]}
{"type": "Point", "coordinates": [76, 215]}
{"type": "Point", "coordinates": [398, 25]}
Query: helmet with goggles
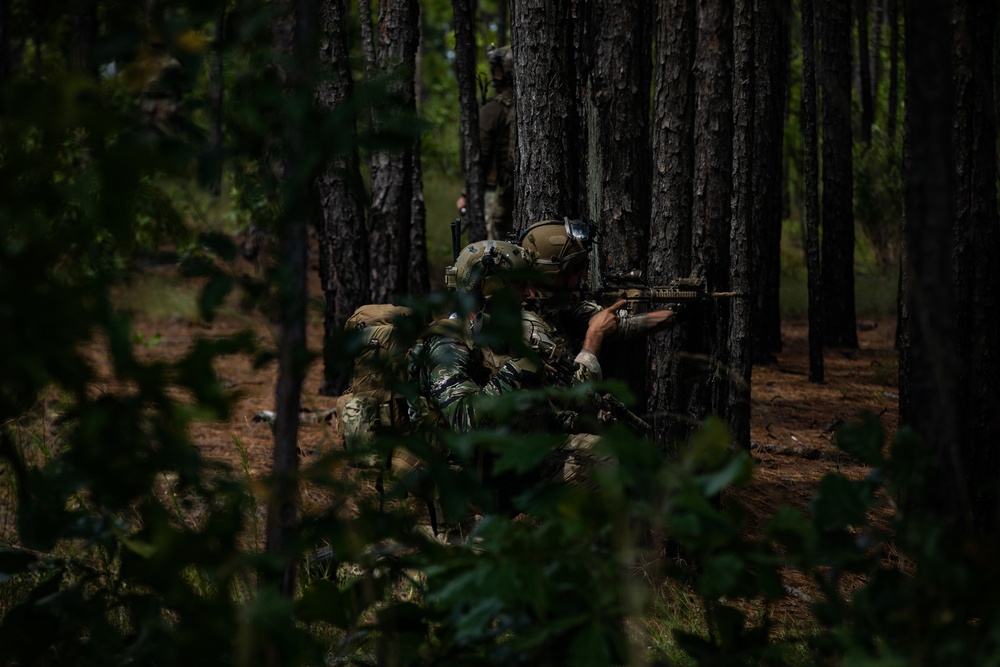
{"type": "Point", "coordinates": [558, 247]}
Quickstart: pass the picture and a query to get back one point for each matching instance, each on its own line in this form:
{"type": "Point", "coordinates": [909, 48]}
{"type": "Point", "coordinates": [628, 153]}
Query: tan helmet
{"type": "Point", "coordinates": [557, 247]}
{"type": "Point", "coordinates": [501, 64]}
{"type": "Point", "coordinates": [481, 267]}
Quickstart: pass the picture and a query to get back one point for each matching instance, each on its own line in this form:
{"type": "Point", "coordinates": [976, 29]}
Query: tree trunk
{"type": "Point", "coordinates": [771, 50]}
{"type": "Point", "coordinates": [813, 261]}
{"type": "Point", "coordinates": [892, 17]}
{"type": "Point", "coordinates": [83, 38]}
{"type": "Point", "coordinates": [6, 60]}
{"type": "Point", "coordinates": [713, 187]}
{"type": "Point", "coordinates": [875, 53]}
{"type": "Point", "coordinates": [618, 106]}
{"type": "Point", "coordinates": [975, 257]}
{"type": "Point", "coordinates": [744, 85]}
{"type": "Point", "coordinates": [670, 218]}
{"type": "Point", "coordinates": [420, 283]}
{"type": "Point", "coordinates": [342, 233]}
{"type": "Point", "coordinates": [839, 318]}
{"type": "Point", "coordinates": [929, 362]}
{"type": "Point", "coordinates": [545, 174]}
{"type": "Point", "coordinates": [294, 34]}
{"type": "Point", "coordinates": [392, 170]}
{"type": "Point", "coordinates": [865, 73]}
{"type": "Point", "coordinates": [216, 85]}
{"type": "Point", "coordinates": [465, 75]}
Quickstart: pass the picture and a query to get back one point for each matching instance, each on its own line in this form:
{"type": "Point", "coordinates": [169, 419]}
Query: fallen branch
{"type": "Point", "coordinates": [802, 451]}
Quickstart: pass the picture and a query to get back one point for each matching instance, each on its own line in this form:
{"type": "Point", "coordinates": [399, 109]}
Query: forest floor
{"type": "Point", "coordinates": [792, 430]}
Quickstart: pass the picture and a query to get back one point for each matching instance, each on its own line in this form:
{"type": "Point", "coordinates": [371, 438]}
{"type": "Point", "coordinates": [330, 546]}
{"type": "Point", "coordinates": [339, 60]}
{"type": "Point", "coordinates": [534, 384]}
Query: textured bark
{"type": "Point", "coordinates": [770, 61]}
{"type": "Point", "coordinates": [341, 228]}
{"type": "Point", "coordinates": [713, 180]}
{"type": "Point", "coordinates": [875, 53]}
{"type": "Point", "coordinates": [812, 192]}
{"type": "Point", "coordinates": [839, 318]}
{"type": "Point", "coordinates": [618, 105]}
{"type": "Point", "coordinates": [744, 85]}
{"type": "Point", "coordinates": [294, 30]}
{"type": "Point", "coordinates": [975, 257]}
{"type": "Point", "coordinates": [83, 38]}
{"type": "Point", "coordinates": [672, 138]}
{"type": "Point", "coordinates": [465, 75]}
{"type": "Point", "coordinates": [545, 169]}
{"type": "Point", "coordinates": [420, 283]}
{"type": "Point", "coordinates": [216, 86]}
{"type": "Point", "coordinates": [392, 170]}
{"type": "Point", "coordinates": [892, 18]}
{"type": "Point", "coordinates": [5, 50]}
{"type": "Point", "coordinates": [865, 72]}
{"type": "Point", "coordinates": [928, 365]}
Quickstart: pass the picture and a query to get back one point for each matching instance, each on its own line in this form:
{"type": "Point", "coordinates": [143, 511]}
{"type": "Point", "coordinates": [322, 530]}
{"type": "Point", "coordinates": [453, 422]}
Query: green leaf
{"type": "Point", "coordinates": [737, 470]}
{"type": "Point", "coordinates": [840, 503]}
{"type": "Point", "coordinates": [212, 296]}
{"type": "Point", "coordinates": [864, 441]}
{"type": "Point", "coordinates": [720, 575]}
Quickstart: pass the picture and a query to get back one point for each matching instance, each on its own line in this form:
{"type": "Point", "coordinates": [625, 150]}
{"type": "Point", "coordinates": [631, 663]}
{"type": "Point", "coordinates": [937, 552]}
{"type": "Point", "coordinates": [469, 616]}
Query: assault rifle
{"type": "Point", "coordinates": [680, 291]}
{"type": "Point", "coordinates": [560, 368]}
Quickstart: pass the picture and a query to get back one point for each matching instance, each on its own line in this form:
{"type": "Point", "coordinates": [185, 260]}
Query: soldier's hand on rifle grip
{"type": "Point", "coordinates": [681, 312]}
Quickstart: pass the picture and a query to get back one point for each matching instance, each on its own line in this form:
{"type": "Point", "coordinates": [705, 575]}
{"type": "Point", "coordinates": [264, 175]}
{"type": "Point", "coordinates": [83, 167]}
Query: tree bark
{"type": "Point", "coordinates": [744, 85]}
{"type": "Point", "coordinates": [545, 174]}
{"type": "Point", "coordinates": [618, 108]}
{"type": "Point", "coordinates": [975, 256]}
{"type": "Point", "coordinates": [865, 73]}
{"type": "Point", "coordinates": [929, 361]}
{"type": "Point", "coordinates": [83, 38]}
{"type": "Point", "coordinates": [420, 283]}
{"type": "Point", "coordinates": [216, 86]}
{"type": "Point", "coordinates": [341, 229]}
{"type": "Point", "coordinates": [771, 50]}
{"type": "Point", "coordinates": [465, 75]}
{"type": "Point", "coordinates": [892, 17]}
{"type": "Point", "coordinates": [839, 317]}
{"type": "Point", "coordinates": [6, 58]}
{"type": "Point", "coordinates": [813, 260]}
{"type": "Point", "coordinates": [392, 170]}
{"type": "Point", "coordinates": [294, 37]}
{"type": "Point", "coordinates": [670, 218]}
{"type": "Point", "coordinates": [713, 185]}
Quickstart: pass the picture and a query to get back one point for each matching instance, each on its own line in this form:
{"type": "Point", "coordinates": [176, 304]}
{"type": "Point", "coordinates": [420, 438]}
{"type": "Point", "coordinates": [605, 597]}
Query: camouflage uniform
{"type": "Point", "coordinates": [496, 141]}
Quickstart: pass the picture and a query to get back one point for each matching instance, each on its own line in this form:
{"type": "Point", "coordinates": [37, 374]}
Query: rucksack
{"type": "Point", "coordinates": [381, 362]}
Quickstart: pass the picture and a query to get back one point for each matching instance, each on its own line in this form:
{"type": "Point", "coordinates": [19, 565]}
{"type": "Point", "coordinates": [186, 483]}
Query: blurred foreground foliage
{"type": "Point", "coordinates": [132, 548]}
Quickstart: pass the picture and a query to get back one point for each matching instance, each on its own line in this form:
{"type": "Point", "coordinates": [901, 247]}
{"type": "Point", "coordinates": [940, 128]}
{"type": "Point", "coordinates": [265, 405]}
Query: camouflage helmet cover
{"type": "Point", "coordinates": [481, 266]}
{"type": "Point", "coordinates": [557, 247]}
{"type": "Point", "coordinates": [501, 63]}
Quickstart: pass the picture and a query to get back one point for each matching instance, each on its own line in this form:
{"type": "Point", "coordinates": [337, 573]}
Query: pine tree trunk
{"type": "Point", "coordinates": [294, 36]}
{"type": "Point", "coordinates": [392, 170]}
{"type": "Point", "coordinates": [975, 256]}
{"type": "Point", "coordinates": [865, 73]}
{"type": "Point", "coordinates": [465, 75]}
{"type": "Point", "coordinates": [420, 283]}
{"type": "Point", "coordinates": [216, 86]}
{"type": "Point", "coordinates": [670, 219]}
{"type": "Point", "coordinates": [618, 104]}
{"type": "Point", "coordinates": [545, 171]}
{"type": "Point", "coordinates": [929, 359]}
{"type": "Point", "coordinates": [341, 228]}
{"type": "Point", "coordinates": [839, 317]}
{"type": "Point", "coordinates": [713, 185]}
{"type": "Point", "coordinates": [6, 63]}
{"type": "Point", "coordinates": [813, 260]}
{"type": "Point", "coordinates": [741, 260]}
{"type": "Point", "coordinates": [83, 38]}
{"type": "Point", "coordinates": [771, 50]}
{"type": "Point", "coordinates": [892, 17]}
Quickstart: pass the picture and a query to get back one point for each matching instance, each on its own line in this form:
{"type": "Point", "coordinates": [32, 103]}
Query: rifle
{"type": "Point", "coordinates": [458, 227]}
{"type": "Point", "coordinates": [637, 296]}
{"type": "Point", "coordinates": [560, 368]}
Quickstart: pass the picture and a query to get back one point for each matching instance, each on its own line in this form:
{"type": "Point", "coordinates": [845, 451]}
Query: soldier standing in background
{"type": "Point", "coordinates": [496, 142]}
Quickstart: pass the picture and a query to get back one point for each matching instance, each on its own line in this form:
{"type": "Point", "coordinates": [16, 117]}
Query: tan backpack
{"type": "Point", "coordinates": [382, 359]}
